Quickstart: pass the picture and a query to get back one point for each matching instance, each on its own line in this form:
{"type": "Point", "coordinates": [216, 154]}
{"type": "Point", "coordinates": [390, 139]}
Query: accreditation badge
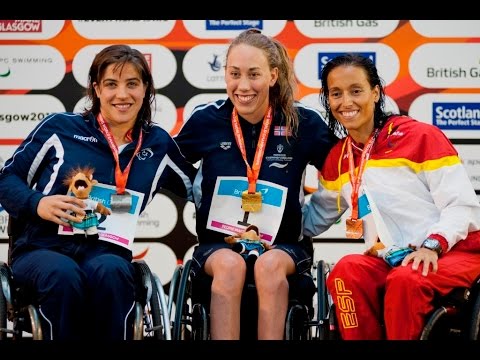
{"type": "Point", "coordinates": [121, 202]}
{"type": "Point", "coordinates": [354, 228]}
{"type": "Point", "coordinates": [251, 202]}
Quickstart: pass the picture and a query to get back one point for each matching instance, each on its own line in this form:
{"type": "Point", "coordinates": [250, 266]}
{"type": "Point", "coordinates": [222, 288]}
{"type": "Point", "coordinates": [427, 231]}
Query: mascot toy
{"type": "Point", "coordinates": [80, 183]}
{"type": "Point", "coordinates": [393, 255]}
{"type": "Point", "coordinates": [250, 246]}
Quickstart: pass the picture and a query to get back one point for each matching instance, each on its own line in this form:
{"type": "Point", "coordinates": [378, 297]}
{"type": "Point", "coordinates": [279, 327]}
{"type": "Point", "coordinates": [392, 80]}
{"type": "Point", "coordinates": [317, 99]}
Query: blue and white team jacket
{"type": "Point", "coordinates": [207, 136]}
{"type": "Point", "coordinates": [64, 141]}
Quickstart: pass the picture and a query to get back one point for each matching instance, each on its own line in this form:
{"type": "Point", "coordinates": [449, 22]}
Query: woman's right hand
{"type": "Point", "coordinates": [60, 209]}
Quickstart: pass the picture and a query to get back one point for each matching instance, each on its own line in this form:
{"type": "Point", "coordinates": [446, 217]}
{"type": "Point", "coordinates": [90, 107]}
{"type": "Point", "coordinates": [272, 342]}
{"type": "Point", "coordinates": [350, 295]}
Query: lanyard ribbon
{"type": "Point", "coordinates": [120, 177]}
{"type": "Point", "coordinates": [356, 178]}
{"type": "Point", "coordinates": [252, 172]}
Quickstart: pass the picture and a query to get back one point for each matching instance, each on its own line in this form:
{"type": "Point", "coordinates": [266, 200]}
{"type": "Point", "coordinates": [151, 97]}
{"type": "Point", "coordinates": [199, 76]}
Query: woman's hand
{"type": "Point", "coordinates": [422, 255]}
{"type": "Point", "coordinates": [60, 209]}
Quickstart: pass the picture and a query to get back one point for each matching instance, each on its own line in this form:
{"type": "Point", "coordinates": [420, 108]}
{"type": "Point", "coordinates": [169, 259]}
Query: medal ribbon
{"type": "Point", "coordinates": [120, 177]}
{"type": "Point", "coordinates": [356, 178]}
{"type": "Point", "coordinates": [252, 172]}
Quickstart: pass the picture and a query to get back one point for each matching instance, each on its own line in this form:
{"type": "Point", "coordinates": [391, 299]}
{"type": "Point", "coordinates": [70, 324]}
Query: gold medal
{"type": "Point", "coordinates": [251, 202]}
{"type": "Point", "coordinates": [354, 228]}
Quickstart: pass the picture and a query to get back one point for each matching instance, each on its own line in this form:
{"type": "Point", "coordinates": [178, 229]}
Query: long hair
{"type": "Point", "coordinates": [282, 94]}
{"type": "Point", "coordinates": [121, 55]}
{"type": "Point", "coordinates": [379, 115]}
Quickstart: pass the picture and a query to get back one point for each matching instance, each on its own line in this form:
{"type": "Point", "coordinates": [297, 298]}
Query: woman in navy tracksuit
{"type": "Point", "coordinates": [254, 149]}
{"type": "Point", "coordinates": [76, 282]}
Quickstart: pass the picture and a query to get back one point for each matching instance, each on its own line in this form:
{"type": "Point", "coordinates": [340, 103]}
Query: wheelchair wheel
{"type": "Point", "coordinates": [199, 322]}
{"type": "Point", "coordinates": [24, 318]}
{"type": "Point", "coordinates": [182, 316]}
{"type": "Point", "coordinates": [5, 288]}
{"type": "Point", "coordinates": [154, 305]}
{"type": "Point", "coordinates": [3, 316]}
{"type": "Point", "coordinates": [296, 326]}
{"type": "Point", "coordinates": [173, 290]}
{"type": "Point", "coordinates": [323, 305]}
{"type": "Point", "coordinates": [161, 315]}
{"type": "Point", "coordinates": [35, 324]}
{"type": "Point", "coordinates": [437, 326]}
{"type": "Point", "coordinates": [154, 313]}
{"type": "Point", "coordinates": [475, 322]}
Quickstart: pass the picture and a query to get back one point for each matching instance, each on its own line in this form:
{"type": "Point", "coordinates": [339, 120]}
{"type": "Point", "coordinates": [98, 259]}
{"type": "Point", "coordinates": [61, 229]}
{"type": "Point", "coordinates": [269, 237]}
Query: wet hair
{"type": "Point", "coordinates": [119, 55]}
{"type": "Point", "coordinates": [282, 94]}
{"type": "Point", "coordinates": [379, 115]}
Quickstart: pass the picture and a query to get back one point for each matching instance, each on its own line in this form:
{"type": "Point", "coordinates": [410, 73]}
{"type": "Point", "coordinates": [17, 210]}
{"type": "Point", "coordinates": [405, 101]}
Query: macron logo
{"type": "Point", "coordinates": [86, 138]}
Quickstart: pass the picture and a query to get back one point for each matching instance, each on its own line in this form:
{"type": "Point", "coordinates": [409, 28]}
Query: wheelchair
{"type": "Point", "coordinates": [19, 315]}
{"type": "Point", "coordinates": [455, 315]}
{"type": "Point", "coordinates": [192, 303]}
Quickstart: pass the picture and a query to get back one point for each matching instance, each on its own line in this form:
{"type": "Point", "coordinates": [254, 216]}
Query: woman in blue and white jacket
{"type": "Point", "coordinates": [75, 280]}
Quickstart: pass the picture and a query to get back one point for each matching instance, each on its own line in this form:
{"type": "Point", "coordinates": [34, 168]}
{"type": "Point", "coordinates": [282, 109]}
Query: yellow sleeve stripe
{"type": "Point", "coordinates": [429, 165]}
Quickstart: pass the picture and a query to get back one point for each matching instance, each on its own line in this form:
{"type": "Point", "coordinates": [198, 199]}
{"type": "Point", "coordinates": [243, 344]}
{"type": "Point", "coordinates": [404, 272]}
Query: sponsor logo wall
{"type": "Point", "coordinates": [431, 71]}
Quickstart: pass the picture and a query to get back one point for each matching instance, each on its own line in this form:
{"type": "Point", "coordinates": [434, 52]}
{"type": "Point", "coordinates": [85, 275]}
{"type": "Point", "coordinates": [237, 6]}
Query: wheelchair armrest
{"type": "Point", "coordinates": [456, 297]}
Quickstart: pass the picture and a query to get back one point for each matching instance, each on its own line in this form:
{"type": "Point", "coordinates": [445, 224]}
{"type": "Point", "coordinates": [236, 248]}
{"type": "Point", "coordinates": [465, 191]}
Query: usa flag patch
{"type": "Point", "coordinates": [281, 131]}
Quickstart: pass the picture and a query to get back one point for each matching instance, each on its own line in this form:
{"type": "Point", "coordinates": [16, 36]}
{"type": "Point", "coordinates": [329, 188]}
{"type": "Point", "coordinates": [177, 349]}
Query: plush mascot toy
{"type": "Point", "coordinates": [378, 249]}
{"type": "Point", "coordinates": [393, 255]}
{"type": "Point", "coordinates": [249, 245]}
{"type": "Point", "coordinates": [80, 183]}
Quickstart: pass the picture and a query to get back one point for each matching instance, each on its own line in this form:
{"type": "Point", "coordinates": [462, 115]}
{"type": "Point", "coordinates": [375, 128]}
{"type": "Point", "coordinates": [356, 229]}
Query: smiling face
{"type": "Point", "coordinates": [352, 100]}
{"type": "Point", "coordinates": [121, 92]}
{"type": "Point", "coordinates": [249, 78]}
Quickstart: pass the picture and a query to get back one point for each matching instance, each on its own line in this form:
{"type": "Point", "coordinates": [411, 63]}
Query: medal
{"type": "Point", "coordinates": [354, 228]}
{"type": "Point", "coordinates": [251, 202]}
{"type": "Point", "coordinates": [252, 199]}
{"type": "Point", "coordinates": [354, 225]}
{"type": "Point", "coordinates": [121, 202]}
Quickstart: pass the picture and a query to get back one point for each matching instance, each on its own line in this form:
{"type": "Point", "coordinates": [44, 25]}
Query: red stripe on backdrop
{"type": "Point", "coordinates": [10, 141]}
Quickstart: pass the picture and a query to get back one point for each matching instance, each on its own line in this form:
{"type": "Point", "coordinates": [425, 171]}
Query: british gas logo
{"type": "Point", "coordinates": [445, 65]}
{"type": "Point", "coordinates": [337, 28]}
